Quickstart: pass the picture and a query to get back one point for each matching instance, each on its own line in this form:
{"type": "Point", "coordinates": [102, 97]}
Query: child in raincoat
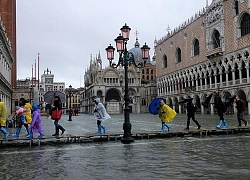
{"type": "Point", "coordinates": [3, 117]}
{"type": "Point", "coordinates": [166, 115]}
{"type": "Point", "coordinates": [21, 119]}
{"type": "Point", "coordinates": [36, 123]}
{"type": "Point", "coordinates": [100, 115]}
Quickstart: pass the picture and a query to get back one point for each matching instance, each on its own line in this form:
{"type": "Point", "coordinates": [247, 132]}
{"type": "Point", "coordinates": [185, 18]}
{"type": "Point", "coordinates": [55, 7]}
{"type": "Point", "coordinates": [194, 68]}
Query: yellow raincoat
{"type": "Point", "coordinates": [166, 113]}
{"type": "Point", "coordinates": [3, 114]}
{"type": "Point", "coordinates": [27, 108]}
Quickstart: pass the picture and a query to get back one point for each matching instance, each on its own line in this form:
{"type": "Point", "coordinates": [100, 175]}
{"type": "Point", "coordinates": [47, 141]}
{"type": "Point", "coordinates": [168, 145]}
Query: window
{"type": "Point", "coordinates": [178, 55]}
{"type": "Point", "coordinates": [196, 47]}
{"type": "Point", "coordinates": [236, 8]}
{"type": "Point", "coordinates": [164, 61]}
{"type": "Point", "coordinates": [216, 39]}
{"type": "Point", "coordinates": [245, 24]}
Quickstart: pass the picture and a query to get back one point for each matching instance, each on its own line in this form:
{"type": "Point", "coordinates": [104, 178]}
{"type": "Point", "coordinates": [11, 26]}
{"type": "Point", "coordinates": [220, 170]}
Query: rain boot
{"type": "Point", "coordinates": [99, 130]}
{"type": "Point", "coordinates": [61, 128]}
{"type": "Point", "coordinates": [219, 124]}
{"type": "Point", "coordinates": [57, 131]}
{"type": "Point", "coordinates": [104, 128]}
{"type": "Point", "coordinates": [165, 124]}
{"type": "Point", "coordinates": [197, 123]}
{"type": "Point", "coordinates": [27, 129]}
{"type": "Point", "coordinates": [188, 123]}
{"type": "Point", "coordinates": [5, 132]}
{"type": "Point", "coordinates": [16, 135]}
{"type": "Point", "coordinates": [29, 135]}
{"type": "Point", "coordinates": [41, 135]}
{"type": "Point", "coordinates": [225, 126]}
{"type": "Point", "coordinates": [162, 128]}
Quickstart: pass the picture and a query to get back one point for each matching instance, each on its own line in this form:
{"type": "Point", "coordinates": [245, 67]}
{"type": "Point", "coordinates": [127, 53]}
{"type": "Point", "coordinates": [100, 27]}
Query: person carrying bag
{"type": "Point", "coordinates": [56, 114]}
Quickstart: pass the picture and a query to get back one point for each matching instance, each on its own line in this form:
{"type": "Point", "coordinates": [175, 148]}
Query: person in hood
{"type": "Point", "coordinates": [100, 115]}
{"type": "Point", "coordinates": [166, 115]}
{"type": "Point", "coordinates": [3, 117]}
{"type": "Point", "coordinates": [36, 123]}
{"type": "Point", "coordinates": [21, 114]}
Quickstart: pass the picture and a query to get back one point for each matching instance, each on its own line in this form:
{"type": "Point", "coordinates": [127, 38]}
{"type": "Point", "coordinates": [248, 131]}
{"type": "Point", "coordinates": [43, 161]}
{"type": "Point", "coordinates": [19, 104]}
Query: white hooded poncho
{"type": "Point", "coordinates": [100, 112]}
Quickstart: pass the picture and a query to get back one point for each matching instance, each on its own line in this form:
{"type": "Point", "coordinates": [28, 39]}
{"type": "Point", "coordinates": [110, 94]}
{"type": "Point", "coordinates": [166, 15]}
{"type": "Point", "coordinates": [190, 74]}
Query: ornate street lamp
{"type": "Point", "coordinates": [126, 59]}
{"type": "Point", "coordinates": [70, 110]}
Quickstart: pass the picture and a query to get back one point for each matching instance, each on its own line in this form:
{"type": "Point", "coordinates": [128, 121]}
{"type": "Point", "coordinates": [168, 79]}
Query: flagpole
{"type": "Point", "coordinates": [38, 70]}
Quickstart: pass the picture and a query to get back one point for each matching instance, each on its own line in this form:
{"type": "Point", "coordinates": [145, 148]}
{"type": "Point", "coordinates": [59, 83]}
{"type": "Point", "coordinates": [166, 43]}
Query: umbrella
{"type": "Point", "coordinates": [182, 101]}
{"type": "Point", "coordinates": [206, 100]}
{"type": "Point", "coordinates": [185, 100]}
{"type": "Point", "coordinates": [154, 105]}
{"type": "Point", "coordinates": [49, 96]}
{"type": "Point", "coordinates": [230, 100]}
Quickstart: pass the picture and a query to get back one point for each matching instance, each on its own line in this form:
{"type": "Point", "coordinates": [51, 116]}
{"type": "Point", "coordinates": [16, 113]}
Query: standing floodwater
{"type": "Point", "coordinates": [213, 157]}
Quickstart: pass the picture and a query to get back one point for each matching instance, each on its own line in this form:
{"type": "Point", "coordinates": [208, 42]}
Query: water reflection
{"type": "Point", "coordinates": [213, 157]}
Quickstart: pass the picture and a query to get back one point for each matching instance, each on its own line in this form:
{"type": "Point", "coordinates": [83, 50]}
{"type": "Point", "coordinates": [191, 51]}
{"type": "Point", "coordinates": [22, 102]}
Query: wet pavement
{"type": "Point", "coordinates": [85, 123]}
{"type": "Point", "coordinates": [224, 157]}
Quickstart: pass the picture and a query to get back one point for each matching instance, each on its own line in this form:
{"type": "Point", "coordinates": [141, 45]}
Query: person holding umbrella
{"type": "Point", "coordinates": [166, 114]}
{"type": "Point", "coordinates": [57, 105]}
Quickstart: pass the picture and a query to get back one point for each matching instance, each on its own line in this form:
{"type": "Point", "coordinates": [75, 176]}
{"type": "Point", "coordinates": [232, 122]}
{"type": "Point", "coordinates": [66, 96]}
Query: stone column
{"type": "Point", "coordinates": [226, 79]}
{"type": "Point", "coordinates": [215, 80]}
{"type": "Point", "coordinates": [240, 75]}
{"type": "Point", "coordinates": [248, 112]}
{"type": "Point", "coordinates": [202, 109]}
{"type": "Point", "coordinates": [212, 109]}
{"type": "Point", "coordinates": [220, 79]}
{"type": "Point", "coordinates": [180, 112]}
{"type": "Point", "coordinates": [210, 80]}
{"type": "Point", "coordinates": [247, 68]}
{"type": "Point", "coordinates": [233, 76]}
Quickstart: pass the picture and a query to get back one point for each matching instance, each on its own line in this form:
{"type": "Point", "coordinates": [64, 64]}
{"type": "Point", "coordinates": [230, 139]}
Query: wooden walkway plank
{"type": "Point", "coordinates": [90, 137]}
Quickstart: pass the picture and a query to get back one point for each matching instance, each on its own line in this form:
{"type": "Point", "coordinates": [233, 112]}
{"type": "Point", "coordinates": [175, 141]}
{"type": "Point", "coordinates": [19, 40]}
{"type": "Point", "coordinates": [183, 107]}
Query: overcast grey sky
{"type": "Point", "coordinates": [67, 32]}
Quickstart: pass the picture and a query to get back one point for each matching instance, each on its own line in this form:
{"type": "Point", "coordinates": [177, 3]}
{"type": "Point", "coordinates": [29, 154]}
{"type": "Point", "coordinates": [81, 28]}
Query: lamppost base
{"type": "Point", "coordinates": [70, 120]}
{"type": "Point", "coordinates": [127, 140]}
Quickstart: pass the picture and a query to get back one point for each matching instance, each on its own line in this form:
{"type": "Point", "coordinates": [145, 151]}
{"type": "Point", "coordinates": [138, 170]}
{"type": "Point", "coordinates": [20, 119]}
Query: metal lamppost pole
{"type": "Point", "coordinates": [70, 110]}
{"type": "Point", "coordinates": [126, 59]}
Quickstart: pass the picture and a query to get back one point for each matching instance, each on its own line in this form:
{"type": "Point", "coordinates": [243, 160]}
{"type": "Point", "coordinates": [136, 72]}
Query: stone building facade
{"type": "Point", "coordinates": [6, 60]}
{"type": "Point", "coordinates": [8, 19]}
{"type": "Point", "coordinates": [108, 84]}
{"type": "Point", "coordinates": [207, 52]}
{"type": "Point", "coordinates": [26, 88]}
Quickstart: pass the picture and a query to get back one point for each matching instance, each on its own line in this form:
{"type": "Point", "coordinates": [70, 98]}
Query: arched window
{"type": "Point", "coordinates": [196, 47]}
{"type": "Point", "coordinates": [216, 39]}
{"type": "Point", "coordinates": [245, 24]}
{"type": "Point", "coordinates": [164, 61]}
{"type": "Point", "coordinates": [236, 8]}
{"type": "Point", "coordinates": [178, 55]}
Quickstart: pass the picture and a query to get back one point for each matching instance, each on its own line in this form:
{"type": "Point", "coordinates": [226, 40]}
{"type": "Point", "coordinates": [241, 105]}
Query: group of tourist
{"type": "Point", "coordinates": [30, 117]}
{"type": "Point", "coordinates": [166, 115]}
